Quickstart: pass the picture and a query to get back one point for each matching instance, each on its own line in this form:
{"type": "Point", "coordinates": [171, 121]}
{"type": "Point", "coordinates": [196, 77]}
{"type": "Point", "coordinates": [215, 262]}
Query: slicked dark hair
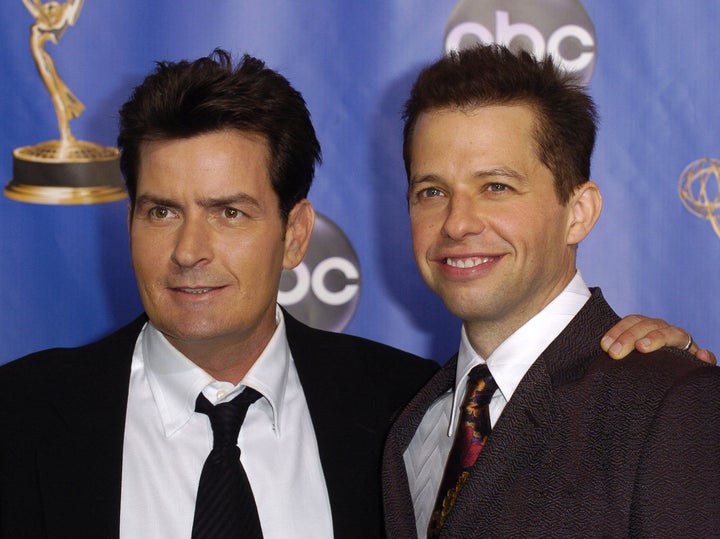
{"type": "Point", "coordinates": [184, 99]}
{"type": "Point", "coordinates": [566, 117]}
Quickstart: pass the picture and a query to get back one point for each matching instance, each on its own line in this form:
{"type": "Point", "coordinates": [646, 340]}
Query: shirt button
{"type": "Point", "coordinates": [221, 393]}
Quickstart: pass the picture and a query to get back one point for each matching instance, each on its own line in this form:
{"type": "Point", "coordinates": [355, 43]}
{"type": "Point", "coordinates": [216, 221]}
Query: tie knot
{"type": "Point", "coordinates": [480, 382]}
{"type": "Point", "coordinates": [227, 418]}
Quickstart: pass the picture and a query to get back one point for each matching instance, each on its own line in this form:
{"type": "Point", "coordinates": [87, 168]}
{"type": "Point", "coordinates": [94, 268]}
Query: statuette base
{"type": "Point", "coordinates": [66, 172]}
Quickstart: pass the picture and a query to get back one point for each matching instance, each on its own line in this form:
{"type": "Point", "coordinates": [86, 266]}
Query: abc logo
{"type": "Point", "coordinates": [561, 28]}
{"type": "Point", "coordinates": [324, 289]}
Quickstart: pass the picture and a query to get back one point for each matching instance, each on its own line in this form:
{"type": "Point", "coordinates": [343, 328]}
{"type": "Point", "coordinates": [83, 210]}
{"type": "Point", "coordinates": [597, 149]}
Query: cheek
{"type": "Point", "coordinates": [147, 254]}
{"type": "Point", "coordinates": [422, 228]}
{"type": "Point", "coordinates": [543, 240]}
{"type": "Point", "coordinates": [140, 249]}
{"type": "Point", "coordinates": [419, 246]}
{"type": "Point", "coordinates": [255, 258]}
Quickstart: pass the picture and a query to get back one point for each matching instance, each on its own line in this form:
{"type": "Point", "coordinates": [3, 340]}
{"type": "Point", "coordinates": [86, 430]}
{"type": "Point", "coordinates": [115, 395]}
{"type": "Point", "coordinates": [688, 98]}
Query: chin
{"type": "Point", "coordinates": [466, 312]}
{"type": "Point", "coordinates": [185, 330]}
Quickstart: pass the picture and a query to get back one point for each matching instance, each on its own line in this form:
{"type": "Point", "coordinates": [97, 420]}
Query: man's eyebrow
{"type": "Point", "coordinates": [426, 178]}
{"type": "Point", "coordinates": [231, 200]}
{"type": "Point", "coordinates": [208, 202]}
{"type": "Point", "coordinates": [149, 199]}
{"type": "Point", "coordinates": [500, 172]}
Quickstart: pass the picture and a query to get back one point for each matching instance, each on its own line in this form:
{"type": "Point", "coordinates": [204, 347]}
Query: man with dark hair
{"type": "Point", "coordinates": [531, 430]}
{"type": "Point", "coordinates": [137, 435]}
{"type": "Point", "coordinates": [113, 440]}
{"type": "Point", "coordinates": [185, 99]}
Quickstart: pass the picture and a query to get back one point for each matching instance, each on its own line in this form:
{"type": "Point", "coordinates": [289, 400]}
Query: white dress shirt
{"type": "Point", "coordinates": [427, 453]}
{"type": "Point", "coordinates": [166, 443]}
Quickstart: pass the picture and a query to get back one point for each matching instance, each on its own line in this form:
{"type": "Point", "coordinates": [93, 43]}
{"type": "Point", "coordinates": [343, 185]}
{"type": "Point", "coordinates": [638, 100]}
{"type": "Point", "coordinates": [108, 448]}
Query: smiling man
{"type": "Point", "coordinates": [531, 430]}
{"type": "Point", "coordinates": [489, 231]}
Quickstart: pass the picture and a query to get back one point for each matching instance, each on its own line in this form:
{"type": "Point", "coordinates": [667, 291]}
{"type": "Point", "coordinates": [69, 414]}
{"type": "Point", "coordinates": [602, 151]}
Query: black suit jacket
{"type": "Point", "coordinates": [586, 447]}
{"type": "Point", "coordinates": [62, 419]}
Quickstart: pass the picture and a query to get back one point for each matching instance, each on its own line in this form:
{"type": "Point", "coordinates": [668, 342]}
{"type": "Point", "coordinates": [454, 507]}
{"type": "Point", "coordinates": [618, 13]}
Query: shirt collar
{"type": "Point", "coordinates": [175, 381]}
{"type": "Point", "coordinates": [512, 359]}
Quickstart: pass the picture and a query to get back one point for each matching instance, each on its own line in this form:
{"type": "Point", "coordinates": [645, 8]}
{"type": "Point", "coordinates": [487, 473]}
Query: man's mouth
{"type": "Point", "coordinates": [471, 262]}
{"type": "Point", "coordinates": [195, 290]}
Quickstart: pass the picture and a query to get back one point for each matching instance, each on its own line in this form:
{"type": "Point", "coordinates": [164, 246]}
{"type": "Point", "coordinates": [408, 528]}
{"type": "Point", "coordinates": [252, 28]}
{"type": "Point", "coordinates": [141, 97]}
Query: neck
{"type": "Point", "coordinates": [486, 334]}
{"type": "Point", "coordinates": [224, 361]}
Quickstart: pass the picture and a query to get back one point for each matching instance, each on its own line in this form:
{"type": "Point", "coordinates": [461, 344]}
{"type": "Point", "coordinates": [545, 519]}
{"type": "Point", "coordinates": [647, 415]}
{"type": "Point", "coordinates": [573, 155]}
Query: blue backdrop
{"type": "Point", "coordinates": [65, 271]}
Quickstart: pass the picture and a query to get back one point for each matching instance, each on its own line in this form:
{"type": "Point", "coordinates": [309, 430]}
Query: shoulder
{"type": "Point", "coordinates": [662, 369]}
{"type": "Point", "coordinates": [576, 354]}
{"type": "Point", "coordinates": [637, 388]}
{"type": "Point", "coordinates": [43, 390]}
{"type": "Point", "coordinates": [682, 374]}
{"type": "Point", "coordinates": [57, 364]}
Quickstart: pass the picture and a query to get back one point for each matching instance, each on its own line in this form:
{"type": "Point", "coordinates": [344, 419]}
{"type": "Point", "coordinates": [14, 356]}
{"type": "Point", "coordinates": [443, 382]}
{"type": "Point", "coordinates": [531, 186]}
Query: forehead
{"type": "Point", "coordinates": [515, 117]}
{"type": "Point", "coordinates": [486, 133]}
{"type": "Point", "coordinates": [227, 143]}
{"type": "Point", "coordinates": [205, 161]}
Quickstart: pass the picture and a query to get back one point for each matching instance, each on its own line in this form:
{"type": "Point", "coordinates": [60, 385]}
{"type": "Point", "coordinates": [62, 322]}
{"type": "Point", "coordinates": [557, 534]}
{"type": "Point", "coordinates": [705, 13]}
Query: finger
{"type": "Point", "coordinates": [707, 356]}
{"type": "Point", "coordinates": [672, 336]}
{"type": "Point", "coordinates": [637, 332]}
{"type": "Point", "coordinates": [622, 326]}
{"type": "Point", "coordinates": [647, 335]}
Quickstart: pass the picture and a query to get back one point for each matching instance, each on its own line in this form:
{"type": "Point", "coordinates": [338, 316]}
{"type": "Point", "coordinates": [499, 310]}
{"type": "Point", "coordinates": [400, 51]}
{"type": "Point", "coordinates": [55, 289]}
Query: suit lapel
{"type": "Point", "coordinates": [397, 500]}
{"type": "Point", "coordinates": [80, 466]}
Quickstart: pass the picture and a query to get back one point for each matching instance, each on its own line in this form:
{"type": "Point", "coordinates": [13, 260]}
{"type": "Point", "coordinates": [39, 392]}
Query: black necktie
{"type": "Point", "coordinates": [225, 506]}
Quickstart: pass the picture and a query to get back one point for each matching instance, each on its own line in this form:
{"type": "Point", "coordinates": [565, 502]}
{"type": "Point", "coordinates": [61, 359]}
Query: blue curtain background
{"type": "Point", "coordinates": [64, 270]}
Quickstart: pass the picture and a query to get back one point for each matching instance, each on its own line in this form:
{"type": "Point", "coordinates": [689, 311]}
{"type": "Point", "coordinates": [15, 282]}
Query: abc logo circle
{"type": "Point", "coordinates": [561, 28]}
{"type": "Point", "coordinates": [323, 291]}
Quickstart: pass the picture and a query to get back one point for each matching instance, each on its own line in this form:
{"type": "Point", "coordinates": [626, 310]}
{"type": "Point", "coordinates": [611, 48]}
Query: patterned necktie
{"type": "Point", "coordinates": [225, 506]}
{"type": "Point", "coordinates": [470, 438]}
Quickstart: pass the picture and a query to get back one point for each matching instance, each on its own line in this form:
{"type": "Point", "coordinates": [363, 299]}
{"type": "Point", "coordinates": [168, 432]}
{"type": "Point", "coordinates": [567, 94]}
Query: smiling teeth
{"type": "Point", "coordinates": [196, 290]}
{"type": "Point", "coordinates": [467, 262]}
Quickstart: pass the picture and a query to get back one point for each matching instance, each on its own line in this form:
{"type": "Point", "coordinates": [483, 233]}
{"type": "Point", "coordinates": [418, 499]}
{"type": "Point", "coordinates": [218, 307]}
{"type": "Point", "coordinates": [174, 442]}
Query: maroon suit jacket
{"type": "Point", "coordinates": [586, 447]}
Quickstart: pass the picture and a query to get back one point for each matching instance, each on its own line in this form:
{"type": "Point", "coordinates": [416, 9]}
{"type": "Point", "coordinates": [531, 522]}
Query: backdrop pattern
{"type": "Point", "coordinates": [65, 270]}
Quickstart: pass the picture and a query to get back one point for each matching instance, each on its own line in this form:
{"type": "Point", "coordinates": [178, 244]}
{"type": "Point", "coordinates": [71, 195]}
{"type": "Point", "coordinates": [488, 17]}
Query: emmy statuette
{"type": "Point", "coordinates": [68, 170]}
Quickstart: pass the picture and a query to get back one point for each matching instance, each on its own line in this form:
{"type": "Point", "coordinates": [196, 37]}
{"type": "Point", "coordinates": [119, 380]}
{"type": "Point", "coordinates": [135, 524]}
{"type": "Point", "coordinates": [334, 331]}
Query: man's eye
{"type": "Point", "coordinates": [232, 213]}
{"type": "Point", "coordinates": [159, 212]}
{"type": "Point", "coordinates": [497, 187]}
{"type": "Point", "coordinates": [430, 192]}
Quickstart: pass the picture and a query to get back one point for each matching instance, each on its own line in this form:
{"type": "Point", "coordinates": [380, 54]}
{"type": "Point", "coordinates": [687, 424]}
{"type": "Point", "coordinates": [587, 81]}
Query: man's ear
{"type": "Point", "coordinates": [297, 233]}
{"type": "Point", "coordinates": [585, 208]}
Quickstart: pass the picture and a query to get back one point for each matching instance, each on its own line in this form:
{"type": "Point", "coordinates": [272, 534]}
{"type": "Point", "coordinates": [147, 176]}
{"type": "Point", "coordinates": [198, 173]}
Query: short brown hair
{"type": "Point", "coordinates": [493, 75]}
